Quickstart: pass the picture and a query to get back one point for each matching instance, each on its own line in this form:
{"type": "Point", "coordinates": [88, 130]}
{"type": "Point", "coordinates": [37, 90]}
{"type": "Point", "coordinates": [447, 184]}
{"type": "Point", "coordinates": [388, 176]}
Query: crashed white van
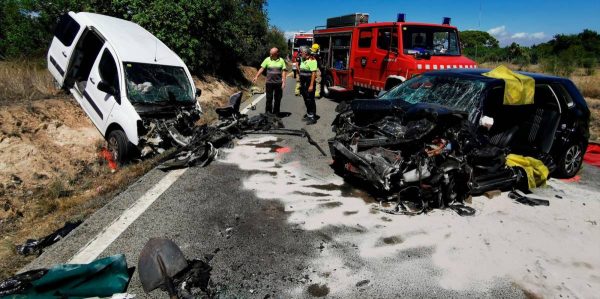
{"type": "Point", "coordinates": [135, 90]}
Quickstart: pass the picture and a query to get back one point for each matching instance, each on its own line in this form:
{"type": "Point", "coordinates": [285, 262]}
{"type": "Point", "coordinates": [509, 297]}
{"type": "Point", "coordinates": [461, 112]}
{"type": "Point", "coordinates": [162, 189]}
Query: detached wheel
{"type": "Point", "coordinates": [327, 84]}
{"type": "Point", "coordinates": [118, 146]}
{"type": "Point", "coordinates": [570, 161]}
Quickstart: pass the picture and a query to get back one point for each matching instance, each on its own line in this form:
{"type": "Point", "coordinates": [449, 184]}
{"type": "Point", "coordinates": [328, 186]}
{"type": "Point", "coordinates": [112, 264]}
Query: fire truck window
{"type": "Point", "coordinates": [387, 39]}
{"type": "Point", "coordinates": [437, 41]}
{"type": "Point", "coordinates": [364, 38]}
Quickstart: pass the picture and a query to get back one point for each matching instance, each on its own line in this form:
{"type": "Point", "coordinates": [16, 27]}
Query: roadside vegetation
{"type": "Point", "coordinates": [576, 56]}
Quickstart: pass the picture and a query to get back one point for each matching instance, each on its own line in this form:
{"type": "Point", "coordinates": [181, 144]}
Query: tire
{"type": "Point", "coordinates": [119, 146]}
{"type": "Point", "coordinates": [328, 82]}
{"type": "Point", "coordinates": [570, 160]}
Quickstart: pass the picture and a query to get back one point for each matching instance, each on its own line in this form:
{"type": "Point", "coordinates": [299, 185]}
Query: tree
{"type": "Point", "coordinates": [475, 38]}
{"type": "Point", "coordinates": [211, 36]}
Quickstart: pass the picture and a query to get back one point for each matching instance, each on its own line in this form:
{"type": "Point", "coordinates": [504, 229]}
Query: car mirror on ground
{"type": "Point", "coordinates": [105, 87]}
{"type": "Point", "coordinates": [198, 92]}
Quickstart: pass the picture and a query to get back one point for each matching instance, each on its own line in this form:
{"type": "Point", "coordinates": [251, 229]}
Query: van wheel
{"type": "Point", "coordinates": [118, 146]}
{"type": "Point", "coordinates": [570, 161]}
{"type": "Point", "coordinates": [326, 87]}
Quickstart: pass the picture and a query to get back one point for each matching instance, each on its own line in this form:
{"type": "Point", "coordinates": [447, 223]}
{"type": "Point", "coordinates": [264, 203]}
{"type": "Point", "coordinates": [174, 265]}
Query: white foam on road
{"type": "Point", "coordinates": [548, 251]}
{"type": "Point", "coordinates": [99, 243]}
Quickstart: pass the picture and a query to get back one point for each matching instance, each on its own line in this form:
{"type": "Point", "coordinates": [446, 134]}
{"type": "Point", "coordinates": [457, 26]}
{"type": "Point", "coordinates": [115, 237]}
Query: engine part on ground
{"type": "Point", "coordinates": [33, 246]}
{"type": "Point", "coordinates": [163, 265]}
{"type": "Point", "coordinates": [159, 262]}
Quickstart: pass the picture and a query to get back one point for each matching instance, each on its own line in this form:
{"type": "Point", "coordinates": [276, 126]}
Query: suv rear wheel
{"type": "Point", "coordinates": [570, 161]}
{"type": "Point", "coordinates": [118, 146]}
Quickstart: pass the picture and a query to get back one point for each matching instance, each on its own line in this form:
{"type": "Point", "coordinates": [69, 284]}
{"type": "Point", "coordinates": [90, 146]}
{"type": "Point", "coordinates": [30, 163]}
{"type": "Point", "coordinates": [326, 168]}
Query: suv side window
{"type": "Point", "coordinates": [66, 30]}
{"type": "Point", "coordinates": [108, 69]}
{"type": "Point", "coordinates": [387, 39]}
{"type": "Point", "coordinates": [563, 94]}
{"type": "Point", "coordinates": [364, 38]}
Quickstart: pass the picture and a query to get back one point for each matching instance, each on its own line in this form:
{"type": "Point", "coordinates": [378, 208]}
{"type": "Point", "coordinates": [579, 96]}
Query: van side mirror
{"type": "Point", "coordinates": [198, 92]}
{"type": "Point", "coordinates": [107, 88]}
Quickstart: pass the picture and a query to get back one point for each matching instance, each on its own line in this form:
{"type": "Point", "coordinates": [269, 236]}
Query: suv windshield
{"type": "Point", "coordinates": [437, 41]}
{"type": "Point", "coordinates": [453, 92]}
{"type": "Point", "coordinates": [153, 83]}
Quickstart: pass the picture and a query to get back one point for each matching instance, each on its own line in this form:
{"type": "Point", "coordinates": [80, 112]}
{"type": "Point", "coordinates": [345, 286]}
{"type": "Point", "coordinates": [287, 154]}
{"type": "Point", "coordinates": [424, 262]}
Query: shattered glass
{"type": "Point", "coordinates": [153, 83]}
{"type": "Point", "coordinates": [463, 94]}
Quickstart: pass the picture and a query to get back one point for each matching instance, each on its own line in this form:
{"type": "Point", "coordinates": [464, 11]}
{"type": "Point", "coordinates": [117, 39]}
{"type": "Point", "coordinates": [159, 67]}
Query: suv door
{"type": "Point", "coordinates": [102, 90]}
{"type": "Point", "coordinates": [65, 39]}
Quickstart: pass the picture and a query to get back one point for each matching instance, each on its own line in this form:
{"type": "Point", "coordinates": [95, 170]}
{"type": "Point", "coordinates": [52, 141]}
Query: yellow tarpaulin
{"type": "Point", "coordinates": [519, 89]}
{"type": "Point", "coordinates": [537, 172]}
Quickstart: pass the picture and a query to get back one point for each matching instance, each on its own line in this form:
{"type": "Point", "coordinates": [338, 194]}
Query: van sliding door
{"type": "Point", "coordinates": [65, 39]}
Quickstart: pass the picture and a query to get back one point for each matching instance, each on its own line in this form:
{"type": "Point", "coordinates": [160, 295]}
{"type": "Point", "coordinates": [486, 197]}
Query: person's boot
{"type": "Point", "coordinates": [311, 120]}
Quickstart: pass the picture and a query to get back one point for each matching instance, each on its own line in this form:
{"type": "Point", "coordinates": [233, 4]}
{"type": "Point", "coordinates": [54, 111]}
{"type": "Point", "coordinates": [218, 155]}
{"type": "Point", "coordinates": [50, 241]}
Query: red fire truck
{"type": "Point", "coordinates": [360, 56]}
{"type": "Point", "coordinates": [294, 44]}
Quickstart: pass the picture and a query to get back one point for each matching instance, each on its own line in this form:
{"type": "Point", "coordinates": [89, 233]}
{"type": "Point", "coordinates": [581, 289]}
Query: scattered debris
{"type": "Point", "coordinates": [32, 246]}
{"type": "Point", "coordinates": [100, 278]}
{"type": "Point", "coordinates": [528, 200]}
{"type": "Point", "coordinates": [20, 282]}
{"type": "Point", "coordinates": [163, 265]}
{"type": "Point", "coordinates": [200, 148]}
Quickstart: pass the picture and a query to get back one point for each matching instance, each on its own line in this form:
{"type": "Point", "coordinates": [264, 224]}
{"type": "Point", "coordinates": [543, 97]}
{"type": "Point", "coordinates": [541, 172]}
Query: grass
{"type": "Point", "coordinates": [52, 208]}
{"type": "Point", "coordinates": [23, 80]}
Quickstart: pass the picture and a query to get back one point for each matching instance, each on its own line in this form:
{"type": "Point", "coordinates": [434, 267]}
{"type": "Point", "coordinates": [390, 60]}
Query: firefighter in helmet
{"type": "Point", "coordinates": [308, 75]}
{"type": "Point", "coordinates": [315, 51]}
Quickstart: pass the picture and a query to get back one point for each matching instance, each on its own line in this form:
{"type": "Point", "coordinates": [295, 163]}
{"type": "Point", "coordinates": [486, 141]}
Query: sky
{"type": "Point", "coordinates": [526, 22]}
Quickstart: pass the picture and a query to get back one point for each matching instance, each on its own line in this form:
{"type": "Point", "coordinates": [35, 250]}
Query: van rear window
{"type": "Point", "coordinates": [66, 30]}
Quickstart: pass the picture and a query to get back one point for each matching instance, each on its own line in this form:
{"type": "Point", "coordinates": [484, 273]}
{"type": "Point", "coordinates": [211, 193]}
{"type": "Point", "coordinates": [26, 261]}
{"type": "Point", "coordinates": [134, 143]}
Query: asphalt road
{"type": "Point", "coordinates": [281, 224]}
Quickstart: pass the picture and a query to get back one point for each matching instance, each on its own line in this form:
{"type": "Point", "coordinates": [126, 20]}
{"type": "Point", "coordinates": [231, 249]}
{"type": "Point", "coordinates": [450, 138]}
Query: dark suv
{"type": "Point", "coordinates": [556, 125]}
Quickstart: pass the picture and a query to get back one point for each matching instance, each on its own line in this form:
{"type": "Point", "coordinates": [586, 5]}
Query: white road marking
{"type": "Point", "coordinates": [99, 243]}
{"type": "Point", "coordinates": [245, 110]}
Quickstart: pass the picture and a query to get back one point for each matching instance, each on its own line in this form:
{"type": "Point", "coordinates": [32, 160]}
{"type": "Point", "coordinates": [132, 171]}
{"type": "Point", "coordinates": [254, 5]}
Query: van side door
{"type": "Point", "coordinates": [66, 36]}
{"type": "Point", "coordinates": [103, 88]}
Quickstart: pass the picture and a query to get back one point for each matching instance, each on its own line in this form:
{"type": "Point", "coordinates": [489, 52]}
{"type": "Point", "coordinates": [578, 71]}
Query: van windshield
{"type": "Point", "coordinates": [153, 83]}
{"type": "Point", "coordinates": [437, 41]}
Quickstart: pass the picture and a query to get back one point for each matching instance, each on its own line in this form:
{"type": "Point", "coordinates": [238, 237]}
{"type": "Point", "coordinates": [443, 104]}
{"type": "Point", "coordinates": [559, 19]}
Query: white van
{"type": "Point", "coordinates": [128, 82]}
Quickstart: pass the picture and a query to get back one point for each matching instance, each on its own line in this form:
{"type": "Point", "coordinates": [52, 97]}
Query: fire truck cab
{"type": "Point", "coordinates": [299, 40]}
{"type": "Point", "coordinates": [360, 56]}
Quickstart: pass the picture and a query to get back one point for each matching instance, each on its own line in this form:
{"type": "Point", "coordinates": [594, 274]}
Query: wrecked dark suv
{"type": "Point", "coordinates": [445, 135]}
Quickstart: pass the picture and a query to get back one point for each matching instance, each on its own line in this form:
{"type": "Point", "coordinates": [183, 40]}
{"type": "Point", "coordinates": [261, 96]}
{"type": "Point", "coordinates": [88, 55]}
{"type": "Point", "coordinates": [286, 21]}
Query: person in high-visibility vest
{"type": "Point", "coordinates": [308, 74]}
{"type": "Point", "coordinates": [276, 71]}
{"type": "Point", "coordinates": [315, 51]}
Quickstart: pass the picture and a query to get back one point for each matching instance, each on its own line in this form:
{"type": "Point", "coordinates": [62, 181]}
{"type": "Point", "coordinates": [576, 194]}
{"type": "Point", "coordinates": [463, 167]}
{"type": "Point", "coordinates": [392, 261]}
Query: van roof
{"type": "Point", "coordinates": [132, 42]}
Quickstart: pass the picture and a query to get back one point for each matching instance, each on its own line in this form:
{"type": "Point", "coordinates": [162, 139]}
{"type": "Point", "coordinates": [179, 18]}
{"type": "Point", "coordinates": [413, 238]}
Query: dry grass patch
{"type": "Point", "coordinates": [25, 80]}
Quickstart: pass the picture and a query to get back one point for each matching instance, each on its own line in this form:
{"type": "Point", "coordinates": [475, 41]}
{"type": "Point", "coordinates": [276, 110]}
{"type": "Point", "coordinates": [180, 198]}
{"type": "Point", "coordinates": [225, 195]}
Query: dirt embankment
{"type": "Point", "coordinates": [50, 165]}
